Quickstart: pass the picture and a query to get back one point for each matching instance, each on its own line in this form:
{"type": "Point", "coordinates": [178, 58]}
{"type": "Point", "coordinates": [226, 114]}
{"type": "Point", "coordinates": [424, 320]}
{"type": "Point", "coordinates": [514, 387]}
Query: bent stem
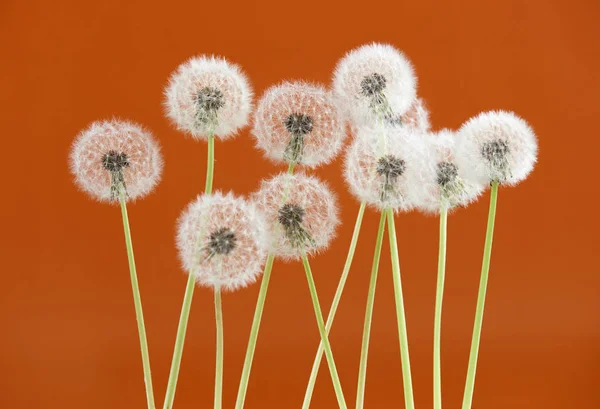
{"type": "Point", "coordinates": [437, 326]}
{"type": "Point", "coordinates": [262, 295]}
{"type": "Point", "coordinates": [219, 363]}
{"type": "Point", "coordinates": [137, 302]}
{"type": "Point", "coordinates": [188, 296]}
{"type": "Point", "coordinates": [406, 376]}
{"type": "Point", "coordinates": [362, 371]}
{"type": "Point", "coordinates": [321, 324]}
{"type": "Point", "coordinates": [485, 268]}
{"type": "Point", "coordinates": [336, 301]}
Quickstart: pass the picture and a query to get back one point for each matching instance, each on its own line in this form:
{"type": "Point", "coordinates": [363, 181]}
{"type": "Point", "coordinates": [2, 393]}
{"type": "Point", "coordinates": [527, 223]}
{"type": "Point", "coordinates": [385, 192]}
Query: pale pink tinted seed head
{"type": "Point", "coordinates": [374, 83]}
{"type": "Point", "coordinates": [222, 241]}
{"type": "Point", "coordinates": [496, 146]}
{"type": "Point", "coordinates": [298, 122]}
{"type": "Point", "coordinates": [382, 167]}
{"type": "Point", "coordinates": [301, 214]}
{"type": "Point", "coordinates": [442, 181]}
{"type": "Point", "coordinates": [113, 159]}
{"type": "Point", "coordinates": [208, 95]}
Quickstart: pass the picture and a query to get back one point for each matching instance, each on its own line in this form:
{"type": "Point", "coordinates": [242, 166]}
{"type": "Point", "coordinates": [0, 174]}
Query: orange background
{"type": "Point", "coordinates": [68, 335]}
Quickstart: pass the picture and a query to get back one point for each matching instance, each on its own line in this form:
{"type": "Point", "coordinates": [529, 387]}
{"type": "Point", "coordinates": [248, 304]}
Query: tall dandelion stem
{"type": "Point", "coordinates": [406, 376]}
{"type": "Point", "coordinates": [262, 295]}
{"type": "Point", "coordinates": [485, 268]}
{"type": "Point", "coordinates": [334, 305]}
{"type": "Point", "coordinates": [188, 296]}
{"type": "Point", "coordinates": [362, 371]}
{"type": "Point", "coordinates": [137, 301]}
{"type": "Point", "coordinates": [437, 326]}
{"type": "Point", "coordinates": [219, 360]}
{"type": "Point", "coordinates": [321, 324]}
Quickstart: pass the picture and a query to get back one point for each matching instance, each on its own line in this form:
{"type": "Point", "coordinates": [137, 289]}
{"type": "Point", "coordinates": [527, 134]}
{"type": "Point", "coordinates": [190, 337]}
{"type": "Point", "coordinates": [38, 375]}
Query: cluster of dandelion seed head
{"type": "Point", "coordinates": [496, 146]}
{"type": "Point", "coordinates": [417, 116]}
{"type": "Point", "coordinates": [442, 183]}
{"type": "Point", "coordinates": [115, 157]}
{"type": "Point", "coordinates": [301, 214]}
{"type": "Point", "coordinates": [382, 167]}
{"type": "Point", "coordinates": [298, 122]}
{"type": "Point", "coordinates": [208, 95]}
{"type": "Point", "coordinates": [374, 82]}
{"type": "Point", "coordinates": [222, 241]}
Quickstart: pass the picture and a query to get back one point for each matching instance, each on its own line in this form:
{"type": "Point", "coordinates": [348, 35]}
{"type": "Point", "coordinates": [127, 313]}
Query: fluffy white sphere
{"type": "Point", "coordinates": [222, 241]}
{"type": "Point", "coordinates": [382, 167]}
{"type": "Point", "coordinates": [208, 95]}
{"type": "Point", "coordinates": [374, 83]}
{"type": "Point", "coordinates": [298, 122]}
{"type": "Point", "coordinates": [112, 155]}
{"type": "Point", "coordinates": [442, 181]}
{"type": "Point", "coordinates": [496, 146]}
{"type": "Point", "coordinates": [301, 214]}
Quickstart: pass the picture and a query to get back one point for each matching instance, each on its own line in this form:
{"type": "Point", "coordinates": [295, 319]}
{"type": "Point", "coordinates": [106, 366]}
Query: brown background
{"type": "Point", "coordinates": [68, 335]}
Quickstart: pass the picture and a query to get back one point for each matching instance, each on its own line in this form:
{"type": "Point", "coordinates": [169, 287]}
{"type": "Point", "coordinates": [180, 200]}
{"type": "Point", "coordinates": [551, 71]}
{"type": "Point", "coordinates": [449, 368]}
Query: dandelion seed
{"type": "Point", "coordinates": [115, 157]}
{"type": "Point", "coordinates": [222, 241]}
{"type": "Point", "coordinates": [496, 146]}
{"type": "Point", "coordinates": [375, 82]}
{"type": "Point", "coordinates": [208, 95]}
{"type": "Point", "coordinates": [301, 214]}
{"type": "Point", "coordinates": [297, 122]}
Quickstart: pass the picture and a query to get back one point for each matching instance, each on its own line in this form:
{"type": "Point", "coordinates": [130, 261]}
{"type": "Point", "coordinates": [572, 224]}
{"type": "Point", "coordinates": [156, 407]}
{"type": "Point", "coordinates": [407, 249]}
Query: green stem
{"type": "Point", "coordinates": [321, 324]}
{"type": "Point", "coordinates": [336, 301]}
{"type": "Point", "coordinates": [485, 268]}
{"type": "Point", "coordinates": [362, 371]}
{"type": "Point", "coordinates": [188, 296]}
{"type": "Point", "coordinates": [241, 397]}
{"type": "Point", "coordinates": [137, 301]}
{"type": "Point", "coordinates": [291, 167]}
{"type": "Point", "coordinates": [406, 376]}
{"type": "Point", "coordinates": [437, 327]}
{"type": "Point", "coordinates": [219, 364]}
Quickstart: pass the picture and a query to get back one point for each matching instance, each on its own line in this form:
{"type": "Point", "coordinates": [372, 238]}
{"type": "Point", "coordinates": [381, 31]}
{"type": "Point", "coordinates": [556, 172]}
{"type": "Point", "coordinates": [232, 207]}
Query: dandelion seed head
{"type": "Point", "coordinates": [442, 180]}
{"type": "Point", "coordinates": [208, 94]}
{"type": "Point", "coordinates": [382, 166]}
{"type": "Point", "coordinates": [301, 214]}
{"type": "Point", "coordinates": [375, 82]}
{"type": "Point", "coordinates": [496, 146]}
{"type": "Point", "coordinates": [113, 157]}
{"type": "Point", "coordinates": [298, 122]}
{"type": "Point", "coordinates": [222, 241]}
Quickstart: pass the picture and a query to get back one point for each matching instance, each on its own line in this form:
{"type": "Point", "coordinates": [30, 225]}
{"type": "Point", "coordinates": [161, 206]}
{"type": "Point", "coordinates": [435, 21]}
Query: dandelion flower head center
{"type": "Point", "coordinates": [495, 153]}
{"type": "Point", "coordinates": [298, 124]}
{"type": "Point", "coordinates": [114, 161]}
{"type": "Point", "coordinates": [391, 168]}
{"type": "Point", "coordinates": [373, 84]}
{"type": "Point", "coordinates": [208, 101]}
{"type": "Point", "coordinates": [221, 241]}
{"type": "Point", "coordinates": [290, 216]}
{"type": "Point", "coordinates": [447, 172]}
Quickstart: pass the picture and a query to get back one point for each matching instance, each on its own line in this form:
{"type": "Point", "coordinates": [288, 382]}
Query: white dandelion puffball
{"type": "Point", "coordinates": [113, 158]}
{"type": "Point", "coordinates": [222, 241]}
{"type": "Point", "coordinates": [301, 214]}
{"type": "Point", "coordinates": [375, 82]}
{"type": "Point", "coordinates": [443, 182]}
{"type": "Point", "coordinates": [382, 167]}
{"type": "Point", "coordinates": [496, 146]}
{"type": "Point", "coordinates": [208, 95]}
{"type": "Point", "coordinates": [297, 122]}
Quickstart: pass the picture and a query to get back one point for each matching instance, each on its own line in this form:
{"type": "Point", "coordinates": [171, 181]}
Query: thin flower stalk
{"type": "Point", "coordinates": [334, 305]}
{"type": "Point", "coordinates": [362, 371]}
{"type": "Point", "coordinates": [337, 386]}
{"type": "Point", "coordinates": [188, 296]}
{"type": "Point", "coordinates": [404, 355]}
{"type": "Point", "coordinates": [219, 353]}
{"type": "Point", "coordinates": [485, 269]}
{"type": "Point", "coordinates": [437, 326]}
